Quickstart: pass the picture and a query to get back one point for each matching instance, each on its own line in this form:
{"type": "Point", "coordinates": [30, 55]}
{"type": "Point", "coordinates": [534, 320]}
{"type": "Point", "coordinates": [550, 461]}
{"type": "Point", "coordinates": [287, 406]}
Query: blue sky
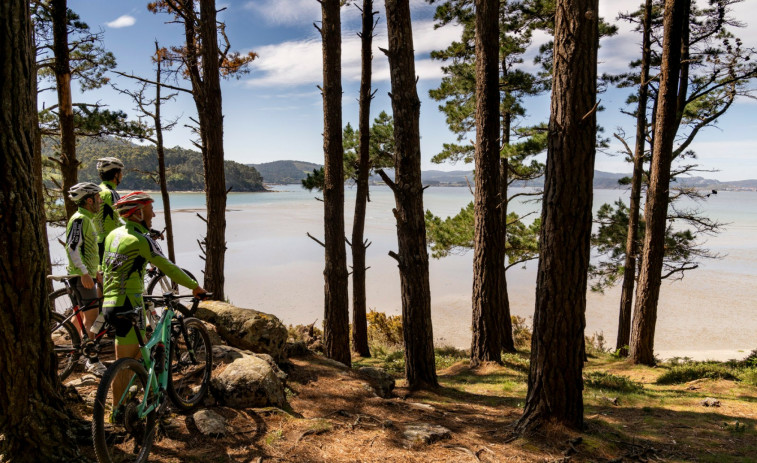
{"type": "Point", "coordinates": [275, 111]}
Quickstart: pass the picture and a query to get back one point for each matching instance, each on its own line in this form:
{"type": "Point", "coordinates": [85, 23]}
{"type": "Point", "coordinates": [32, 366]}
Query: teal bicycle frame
{"type": "Point", "coordinates": [157, 365]}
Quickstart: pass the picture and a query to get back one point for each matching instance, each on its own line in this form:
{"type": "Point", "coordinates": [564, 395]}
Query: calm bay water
{"type": "Point", "coordinates": [271, 265]}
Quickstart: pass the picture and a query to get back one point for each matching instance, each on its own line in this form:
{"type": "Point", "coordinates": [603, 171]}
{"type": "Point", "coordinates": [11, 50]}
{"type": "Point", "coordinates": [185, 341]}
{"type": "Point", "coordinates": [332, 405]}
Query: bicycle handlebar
{"type": "Point", "coordinates": [170, 297]}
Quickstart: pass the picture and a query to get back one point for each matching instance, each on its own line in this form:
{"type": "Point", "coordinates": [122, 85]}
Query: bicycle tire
{"type": "Point", "coordinates": [117, 441]}
{"type": "Point", "coordinates": [60, 302]}
{"type": "Point", "coordinates": [190, 378]}
{"type": "Point", "coordinates": [164, 285]}
{"type": "Point", "coordinates": [66, 344]}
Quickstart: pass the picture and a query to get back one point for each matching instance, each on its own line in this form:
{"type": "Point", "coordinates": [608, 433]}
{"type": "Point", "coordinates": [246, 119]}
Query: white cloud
{"type": "Point", "coordinates": [122, 21]}
{"type": "Point", "coordinates": [299, 62]}
{"type": "Point", "coordinates": [286, 12]}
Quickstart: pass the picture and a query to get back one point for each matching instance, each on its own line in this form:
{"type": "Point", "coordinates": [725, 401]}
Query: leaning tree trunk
{"type": "Point", "coordinates": [412, 260]}
{"type": "Point", "coordinates": [489, 239]}
{"type": "Point", "coordinates": [555, 385]}
{"type": "Point", "coordinates": [215, 178]}
{"type": "Point", "coordinates": [31, 411]}
{"type": "Point", "coordinates": [359, 245]}
{"type": "Point", "coordinates": [629, 265]}
{"type": "Point", "coordinates": [69, 166]}
{"type": "Point", "coordinates": [336, 323]}
{"type": "Point", "coordinates": [162, 158]}
{"type": "Point", "coordinates": [650, 278]}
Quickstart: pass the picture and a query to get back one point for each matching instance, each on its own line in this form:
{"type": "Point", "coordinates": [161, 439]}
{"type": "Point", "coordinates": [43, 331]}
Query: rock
{"type": "Point", "coordinates": [84, 380]}
{"type": "Point", "coordinates": [249, 381]}
{"type": "Point", "coordinates": [245, 328]}
{"type": "Point", "coordinates": [333, 363]}
{"type": "Point", "coordinates": [381, 381]}
{"type": "Point", "coordinates": [215, 338]}
{"type": "Point", "coordinates": [227, 354]}
{"type": "Point", "coordinates": [296, 349]}
{"type": "Point", "coordinates": [210, 423]}
{"type": "Point", "coordinates": [425, 433]}
{"type": "Point", "coordinates": [279, 374]}
{"type": "Point", "coordinates": [710, 402]}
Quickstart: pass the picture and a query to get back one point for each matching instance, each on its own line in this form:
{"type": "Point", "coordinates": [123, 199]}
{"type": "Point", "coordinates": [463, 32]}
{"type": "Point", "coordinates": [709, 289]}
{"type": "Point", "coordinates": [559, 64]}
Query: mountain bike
{"type": "Point", "coordinates": [175, 364]}
{"type": "Point", "coordinates": [70, 342]}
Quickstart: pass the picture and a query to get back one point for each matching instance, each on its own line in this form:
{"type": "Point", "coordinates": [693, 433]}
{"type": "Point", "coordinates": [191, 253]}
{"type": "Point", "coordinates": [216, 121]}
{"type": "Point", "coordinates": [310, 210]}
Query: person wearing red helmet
{"type": "Point", "coordinates": [127, 251]}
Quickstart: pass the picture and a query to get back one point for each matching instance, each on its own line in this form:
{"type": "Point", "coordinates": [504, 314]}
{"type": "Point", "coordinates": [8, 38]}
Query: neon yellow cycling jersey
{"type": "Point", "coordinates": [81, 244]}
{"type": "Point", "coordinates": [107, 218]}
{"type": "Point", "coordinates": [128, 249]}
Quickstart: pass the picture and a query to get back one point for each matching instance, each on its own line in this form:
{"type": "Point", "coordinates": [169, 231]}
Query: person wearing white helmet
{"type": "Point", "coordinates": [111, 171]}
{"type": "Point", "coordinates": [83, 256]}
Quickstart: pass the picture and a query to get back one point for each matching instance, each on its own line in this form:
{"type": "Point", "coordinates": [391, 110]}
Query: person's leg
{"type": "Point", "coordinates": [87, 298]}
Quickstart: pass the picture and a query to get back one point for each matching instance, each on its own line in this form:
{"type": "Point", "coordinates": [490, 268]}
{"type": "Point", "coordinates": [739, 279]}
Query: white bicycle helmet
{"type": "Point", "coordinates": [107, 164]}
{"type": "Point", "coordinates": [82, 190]}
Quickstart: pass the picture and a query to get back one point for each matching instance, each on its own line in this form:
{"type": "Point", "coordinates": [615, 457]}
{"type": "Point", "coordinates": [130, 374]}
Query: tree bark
{"type": "Point", "coordinates": [69, 165]}
{"type": "Point", "coordinates": [650, 278]}
{"type": "Point", "coordinates": [215, 178]}
{"type": "Point", "coordinates": [162, 158]}
{"type": "Point", "coordinates": [359, 322]}
{"type": "Point", "coordinates": [634, 207]}
{"type": "Point", "coordinates": [31, 411]}
{"type": "Point", "coordinates": [555, 384]}
{"type": "Point", "coordinates": [336, 328]}
{"type": "Point", "coordinates": [420, 368]}
{"type": "Point", "coordinates": [488, 241]}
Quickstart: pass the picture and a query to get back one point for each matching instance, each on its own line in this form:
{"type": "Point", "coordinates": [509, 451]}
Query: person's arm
{"type": "Point", "coordinates": [75, 249]}
{"type": "Point", "coordinates": [155, 256]}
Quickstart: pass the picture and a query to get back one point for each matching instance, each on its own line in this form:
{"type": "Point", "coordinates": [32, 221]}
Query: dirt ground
{"type": "Point", "coordinates": [333, 416]}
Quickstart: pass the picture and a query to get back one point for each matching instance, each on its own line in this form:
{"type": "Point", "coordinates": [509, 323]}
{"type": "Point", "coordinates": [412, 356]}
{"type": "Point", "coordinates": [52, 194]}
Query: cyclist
{"type": "Point", "coordinates": [127, 251]}
{"type": "Point", "coordinates": [111, 174]}
{"type": "Point", "coordinates": [81, 248]}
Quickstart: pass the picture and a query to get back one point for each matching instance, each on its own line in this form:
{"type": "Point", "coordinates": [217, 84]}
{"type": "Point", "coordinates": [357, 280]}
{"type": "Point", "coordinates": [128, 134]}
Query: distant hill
{"type": "Point", "coordinates": [285, 172]}
{"type": "Point", "coordinates": [184, 167]}
{"type": "Point", "coordinates": [295, 171]}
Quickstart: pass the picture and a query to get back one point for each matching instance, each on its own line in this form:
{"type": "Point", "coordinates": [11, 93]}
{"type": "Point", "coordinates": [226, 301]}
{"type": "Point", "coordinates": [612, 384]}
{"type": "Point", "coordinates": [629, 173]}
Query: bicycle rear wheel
{"type": "Point", "coordinates": [66, 344]}
{"type": "Point", "coordinates": [60, 302]}
{"type": "Point", "coordinates": [118, 432]}
{"type": "Point", "coordinates": [191, 364]}
{"type": "Point", "coordinates": [161, 284]}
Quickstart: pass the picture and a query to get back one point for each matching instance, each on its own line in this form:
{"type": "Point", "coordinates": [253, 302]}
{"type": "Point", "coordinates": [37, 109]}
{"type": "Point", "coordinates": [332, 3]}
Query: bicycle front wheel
{"type": "Point", "coordinates": [191, 364]}
{"type": "Point", "coordinates": [119, 433]}
{"type": "Point", "coordinates": [66, 344]}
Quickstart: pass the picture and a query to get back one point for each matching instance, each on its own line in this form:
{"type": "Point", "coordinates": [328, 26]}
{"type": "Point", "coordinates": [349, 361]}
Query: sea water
{"type": "Point", "coordinates": [273, 266]}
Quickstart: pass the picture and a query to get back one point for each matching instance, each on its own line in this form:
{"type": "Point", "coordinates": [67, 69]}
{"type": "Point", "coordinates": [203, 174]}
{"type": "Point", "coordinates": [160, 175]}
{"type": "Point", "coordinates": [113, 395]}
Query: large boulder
{"type": "Point", "coordinates": [246, 328]}
{"type": "Point", "coordinates": [250, 381]}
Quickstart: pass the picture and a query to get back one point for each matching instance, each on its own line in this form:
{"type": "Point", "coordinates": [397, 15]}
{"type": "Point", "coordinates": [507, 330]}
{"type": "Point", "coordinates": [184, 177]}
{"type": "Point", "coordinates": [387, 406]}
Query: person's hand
{"type": "Point", "coordinates": [87, 281]}
{"type": "Point", "coordinates": [100, 278]}
{"type": "Point", "coordinates": [198, 292]}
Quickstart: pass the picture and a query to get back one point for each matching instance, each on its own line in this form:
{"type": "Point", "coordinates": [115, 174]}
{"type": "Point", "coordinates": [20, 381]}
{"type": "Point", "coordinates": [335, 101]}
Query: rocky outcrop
{"type": "Point", "coordinates": [381, 381]}
{"type": "Point", "coordinates": [249, 380]}
{"type": "Point", "coordinates": [246, 328]}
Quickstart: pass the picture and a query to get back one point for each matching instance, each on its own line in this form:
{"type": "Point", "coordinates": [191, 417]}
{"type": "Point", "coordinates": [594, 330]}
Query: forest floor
{"type": "Point", "coordinates": [334, 416]}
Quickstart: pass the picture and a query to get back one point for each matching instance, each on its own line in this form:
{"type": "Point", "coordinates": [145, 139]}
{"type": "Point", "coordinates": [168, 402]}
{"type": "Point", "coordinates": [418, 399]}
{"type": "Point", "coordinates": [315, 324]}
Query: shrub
{"type": "Point", "coordinates": [610, 382]}
{"type": "Point", "coordinates": [521, 332]}
{"type": "Point", "coordinates": [384, 329]}
{"type": "Point", "coordinates": [691, 371]}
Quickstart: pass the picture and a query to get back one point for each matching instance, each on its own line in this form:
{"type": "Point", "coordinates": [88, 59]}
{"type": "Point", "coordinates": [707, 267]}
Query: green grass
{"type": "Point", "coordinates": [684, 373]}
{"type": "Point", "coordinates": [611, 382]}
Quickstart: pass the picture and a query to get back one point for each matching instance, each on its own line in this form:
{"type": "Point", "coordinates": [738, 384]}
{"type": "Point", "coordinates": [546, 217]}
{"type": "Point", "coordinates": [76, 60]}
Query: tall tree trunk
{"type": "Point", "coordinates": [488, 241]}
{"type": "Point", "coordinates": [648, 291]}
{"type": "Point", "coordinates": [508, 343]}
{"type": "Point", "coordinates": [69, 165]}
{"type": "Point", "coordinates": [31, 411]}
{"type": "Point", "coordinates": [38, 180]}
{"type": "Point", "coordinates": [408, 194]}
{"type": "Point", "coordinates": [162, 158]}
{"type": "Point", "coordinates": [359, 322]}
{"type": "Point", "coordinates": [336, 323]}
{"type": "Point", "coordinates": [629, 266]}
{"type": "Point", "coordinates": [215, 178]}
{"type": "Point", "coordinates": [555, 385]}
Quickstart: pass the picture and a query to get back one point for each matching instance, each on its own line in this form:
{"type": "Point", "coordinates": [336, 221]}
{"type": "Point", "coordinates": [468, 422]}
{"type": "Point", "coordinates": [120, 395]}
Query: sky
{"type": "Point", "coordinates": [275, 111]}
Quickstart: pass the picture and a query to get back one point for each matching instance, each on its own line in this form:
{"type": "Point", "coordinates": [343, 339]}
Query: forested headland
{"type": "Point", "coordinates": [183, 166]}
